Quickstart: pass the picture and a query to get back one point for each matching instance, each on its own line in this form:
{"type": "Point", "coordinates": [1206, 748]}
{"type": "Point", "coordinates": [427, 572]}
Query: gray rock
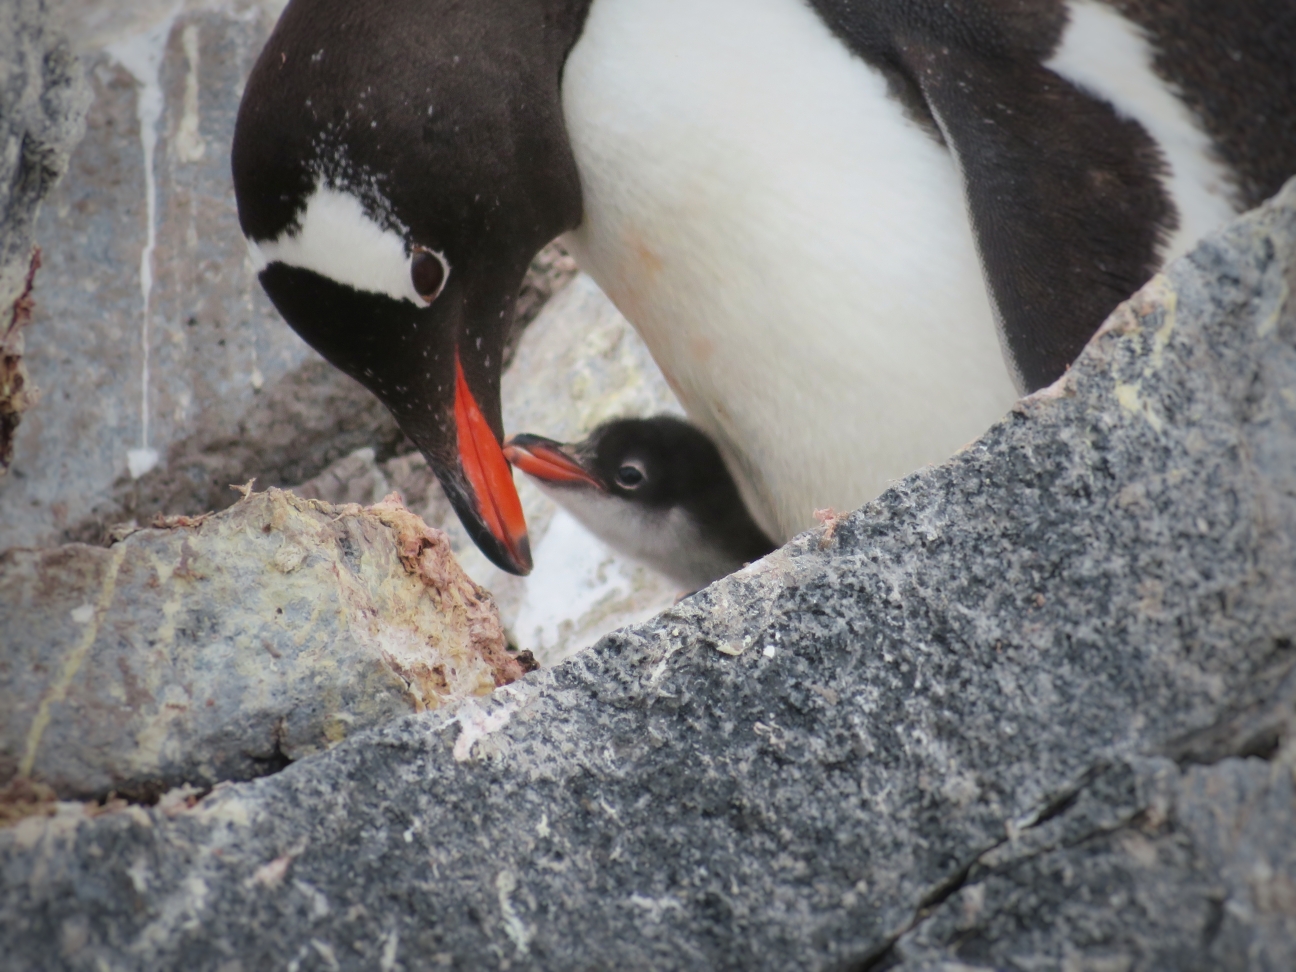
{"type": "Point", "coordinates": [357, 478]}
{"type": "Point", "coordinates": [134, 368]}
{"type": "Point", "coordinates": [43, 100]}
{"type": "Point", "coordinates": [1149, 865]}
{"type": "Point", "coordinates": [223, 647]}
{"type": "Point", "coordinates": [42, 106]}
{"type": "Point", "coordinates": [1006, 662]}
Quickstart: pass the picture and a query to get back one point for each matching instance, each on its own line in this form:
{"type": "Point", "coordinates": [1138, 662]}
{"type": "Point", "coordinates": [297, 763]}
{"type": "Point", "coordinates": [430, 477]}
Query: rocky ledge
{"type": "Point", "coordinates": [42, 104]}
{"type": "Point", "coordinates": [1030, 709]}
{"type": "Point", "coordinates": [225, 646]}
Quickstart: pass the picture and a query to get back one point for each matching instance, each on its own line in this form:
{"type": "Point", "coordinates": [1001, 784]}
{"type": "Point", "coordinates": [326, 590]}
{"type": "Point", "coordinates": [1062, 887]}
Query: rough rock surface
{"type": "Point", "coordinates": [42, 106]}
{"type": "Point", "coordinates": [222, 647]}
{"type": "Point", "coordinates": [43, 100]}
{"type": "Point", "coordinates": [1154, 865]}
{"type": "Point", "coordinates": [1031, 708]}
{"type": "Point", "coordinates": [17, 393]}
{"type": "Point", "coordinates": [149, 327]}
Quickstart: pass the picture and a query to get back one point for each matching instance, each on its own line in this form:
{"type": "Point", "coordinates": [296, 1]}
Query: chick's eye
{"type": "Point", "coordinates": [631, 475]}
{"type": "Point", "coordinates": [428, 273]}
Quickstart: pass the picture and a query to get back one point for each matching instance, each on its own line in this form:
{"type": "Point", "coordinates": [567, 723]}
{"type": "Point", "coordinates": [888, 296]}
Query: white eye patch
{"type": "Point", "coordinates": [337, 239]}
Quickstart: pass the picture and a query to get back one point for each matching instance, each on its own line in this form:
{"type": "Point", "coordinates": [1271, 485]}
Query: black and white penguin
{"type": "Point", "coordinates": [654, 489]}
{"type": "Point", "coordinates": [851, 233]}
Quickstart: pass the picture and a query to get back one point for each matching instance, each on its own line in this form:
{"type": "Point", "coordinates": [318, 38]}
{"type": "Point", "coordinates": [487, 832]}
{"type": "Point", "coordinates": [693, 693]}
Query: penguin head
{"type": "Point", "coordinates": [655, 489]}
{"type": "Point", "coordinates": [393, 183]}
{"type": "Point", "coordinates": [655, 463]}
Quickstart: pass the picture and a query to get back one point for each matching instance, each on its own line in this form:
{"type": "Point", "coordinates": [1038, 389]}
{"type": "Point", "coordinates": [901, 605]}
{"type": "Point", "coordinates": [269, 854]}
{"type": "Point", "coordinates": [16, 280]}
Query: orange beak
{"type": "Point", "coordinates": [490, 476]}
{"type": "Point", "coordinates": [545, 460]}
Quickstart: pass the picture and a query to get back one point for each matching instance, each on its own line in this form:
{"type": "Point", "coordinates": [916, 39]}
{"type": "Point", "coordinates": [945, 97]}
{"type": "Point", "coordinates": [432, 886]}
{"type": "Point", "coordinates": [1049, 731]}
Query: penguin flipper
{"type": "Point", "coordinates": [1064, 194]}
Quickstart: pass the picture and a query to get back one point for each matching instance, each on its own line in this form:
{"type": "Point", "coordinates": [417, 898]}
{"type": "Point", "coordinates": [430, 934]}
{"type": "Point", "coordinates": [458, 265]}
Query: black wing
{"type": "Point", "coordinates": [1064, 194]}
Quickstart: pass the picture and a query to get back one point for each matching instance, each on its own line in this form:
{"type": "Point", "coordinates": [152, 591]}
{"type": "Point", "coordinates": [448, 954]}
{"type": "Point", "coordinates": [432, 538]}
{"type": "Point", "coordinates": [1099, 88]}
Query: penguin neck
{"type": "Point", "coordinates": [793, 248]}
{"type": "Point", "coordinates": [667, 539]}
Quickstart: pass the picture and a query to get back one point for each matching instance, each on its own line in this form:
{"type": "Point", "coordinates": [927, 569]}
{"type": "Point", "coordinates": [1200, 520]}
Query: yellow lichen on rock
{"type": "Point", "coordinates": [222, 647]}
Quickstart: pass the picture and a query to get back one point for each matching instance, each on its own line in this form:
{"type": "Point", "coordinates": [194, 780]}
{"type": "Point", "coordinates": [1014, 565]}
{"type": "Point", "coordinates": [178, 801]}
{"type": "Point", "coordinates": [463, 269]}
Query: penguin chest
{"type": "Point", "coordinates": [793, 248]}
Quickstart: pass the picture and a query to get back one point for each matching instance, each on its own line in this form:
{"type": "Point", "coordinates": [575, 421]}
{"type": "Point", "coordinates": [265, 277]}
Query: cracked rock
{"type": "Point", "coordinates": [42, 104]}
{"type": "Point", "coordinates": [1159, 867]}
{"type": "Point", "coordinates": [224, 647]}
{"type": "Point", "coordinates": [1007, 662]}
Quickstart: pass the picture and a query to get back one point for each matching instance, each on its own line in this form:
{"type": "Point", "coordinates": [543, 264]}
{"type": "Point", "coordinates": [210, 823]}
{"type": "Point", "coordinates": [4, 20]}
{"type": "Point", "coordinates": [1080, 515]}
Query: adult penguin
{"type": "Point", "coordinates": [849, 232]}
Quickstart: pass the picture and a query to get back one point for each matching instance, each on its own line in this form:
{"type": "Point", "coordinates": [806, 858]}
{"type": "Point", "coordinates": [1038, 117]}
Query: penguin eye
{"type": "Point", "coordinates": [631, 475]}
{"type": "Point", "coordinates": [428, 273]}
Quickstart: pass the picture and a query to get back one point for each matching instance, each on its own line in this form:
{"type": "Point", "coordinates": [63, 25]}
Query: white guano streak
{"type": "Point", "coordinates": [142, 55]}
{"type": "Point", "coordinates": [189, 143]}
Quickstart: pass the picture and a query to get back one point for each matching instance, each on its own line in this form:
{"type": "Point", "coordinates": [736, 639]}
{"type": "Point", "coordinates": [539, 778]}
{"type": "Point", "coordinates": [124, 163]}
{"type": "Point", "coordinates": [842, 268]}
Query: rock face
{"type": "Point", "coordinates": [157, 353]}
{"type": "Point", "coordinates": [223, 647]}
{"type": "Point", "coordinates": [1032, 708]}
{"type": "Point", "coordinates": [42, 104]}
{"type": "Point", "coordinates": [1152, 866]}
{"type": "Point", "coordinates": [153, 345]}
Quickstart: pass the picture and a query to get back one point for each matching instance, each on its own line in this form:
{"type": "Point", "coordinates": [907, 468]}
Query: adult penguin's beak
{"type": "Point", "coordinates": [437, 369]}
{"type": "Point", "coordinates": [392, 224]}
{"type": "Point", "coordinates": [489, 507]}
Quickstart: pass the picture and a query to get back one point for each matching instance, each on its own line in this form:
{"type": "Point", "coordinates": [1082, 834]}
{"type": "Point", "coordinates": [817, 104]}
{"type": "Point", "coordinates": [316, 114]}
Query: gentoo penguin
{"type": "Point", "coordinates": [851, 232]}
{"type": "Point", "coordinates": [654, 489]}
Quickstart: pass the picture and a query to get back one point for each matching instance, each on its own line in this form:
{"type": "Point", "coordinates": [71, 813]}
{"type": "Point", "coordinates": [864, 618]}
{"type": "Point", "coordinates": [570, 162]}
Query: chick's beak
{"type": "Point", "coordinates": [545, 460]}
{"type": "Point", "coordinates": [488, 474]}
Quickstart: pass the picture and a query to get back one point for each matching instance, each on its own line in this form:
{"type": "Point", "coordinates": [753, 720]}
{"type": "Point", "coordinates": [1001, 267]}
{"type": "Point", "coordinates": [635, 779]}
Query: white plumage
{"type": "Point", "coordinates": [793, 248]}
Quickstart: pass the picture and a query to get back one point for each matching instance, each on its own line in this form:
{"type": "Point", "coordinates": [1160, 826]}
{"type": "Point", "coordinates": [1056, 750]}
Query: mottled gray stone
{"type": "Point", "coordinates": [43, 100]}
{"type": "Point", "coordinates": [223, 647]}
{"type": "Point", "coordinates": [1149, 865]}
{"type": "Point", "coordinates": [807, 762]}
{"type": "Point", "coordinates": [209, 350]}
{"type": "Point", "coordinates": [42, 105]}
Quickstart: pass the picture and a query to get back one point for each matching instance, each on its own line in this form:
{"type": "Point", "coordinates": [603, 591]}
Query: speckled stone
{"type": "Point", "coordinates": [1074, 633]}
{"type": "Point", "coordinates": [42, 106]}
{"type": "Point", "coordinates": [201, 364]}
{"type": "Point", "coordinates": [223, 647]}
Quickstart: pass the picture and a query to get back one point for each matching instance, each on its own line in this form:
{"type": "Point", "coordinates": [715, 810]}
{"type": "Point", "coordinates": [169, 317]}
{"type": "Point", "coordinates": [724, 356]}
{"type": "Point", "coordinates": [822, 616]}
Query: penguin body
{"type": "Point", "coordinates": [654, 489]}
{"type": "Point", "coordinates": [830, 221]}
{"type": "Point", "coordinates": [791, 280]}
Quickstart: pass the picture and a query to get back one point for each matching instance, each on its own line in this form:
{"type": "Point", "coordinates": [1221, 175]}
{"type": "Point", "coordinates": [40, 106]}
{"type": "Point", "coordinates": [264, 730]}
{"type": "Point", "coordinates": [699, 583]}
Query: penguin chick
{"type": "Point", "coordinates": [654, 489]}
